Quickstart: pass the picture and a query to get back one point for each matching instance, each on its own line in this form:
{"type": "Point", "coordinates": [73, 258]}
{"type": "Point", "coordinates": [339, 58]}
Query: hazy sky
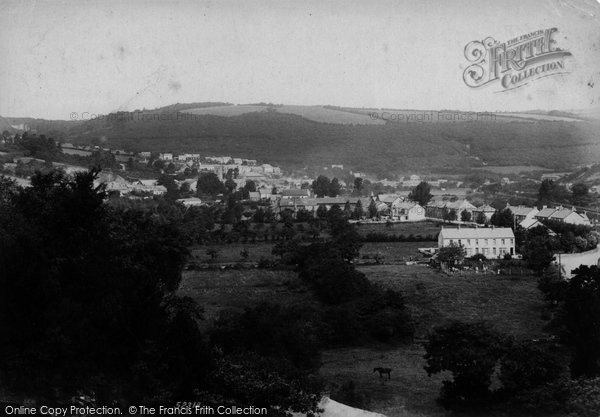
{"type": "Point", "coordinates": [92, 56]}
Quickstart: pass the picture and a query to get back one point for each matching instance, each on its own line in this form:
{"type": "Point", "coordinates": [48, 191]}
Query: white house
{"type": "Point", "coordinates": [491, 242]}
{"type": "Point", "coordinates": [408, 211]}
{"type": "Point", "coordinates": [487, 210]}
{"type": "Point", "coordinates": [189, 202]}
{"type": "Point", "coordinates": [165, 156]}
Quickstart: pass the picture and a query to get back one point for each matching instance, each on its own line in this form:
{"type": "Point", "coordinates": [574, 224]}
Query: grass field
{"type": "Point", "coordinates": [233, 290]}
{"type": "Point", "coordinates": [230, 253]}
{"type": "Point", "coordinates": [512, 304]}
{"type": "Point", "coordinates": [395, 252]}
{"type": "Point", "coordinates": [414, 228]}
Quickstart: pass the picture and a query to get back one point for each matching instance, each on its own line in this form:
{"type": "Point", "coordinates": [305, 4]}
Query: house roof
{"type": "Point", "coordinates": [530, 223]}
{"type": "Point", "coordinates": [406, 205]}
{"type": "Point", "coordinates": [520, 210]}
{"type": "Point", "coordinates": [562, 213]}
{"type": "Point", "coordinates": [545, 213]}
{"type": "Point", "coordinates": [477, 233]}
{"type": "Point", "coordinates": [341, 201]}
{"type": "Point", "coordinates": [460, 204]}
{"type": "Point", "coordinates": [388, 198]}
{"type": "Point", "coordinates": [296, 192]}
{"type": "Point", "coordinates": [486, 208]}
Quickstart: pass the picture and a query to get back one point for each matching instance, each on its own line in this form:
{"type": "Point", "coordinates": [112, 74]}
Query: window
{"type": "Point", "coordinates": [504, 241]}
{"type": "Point", "coordinates": [494, 251]}
{"type": "Point", "coordinates": [485, 242]}
{"type": "Point", "coordinates": [469, 242]}
{"type": "Point", "coordinates": [477, 241]}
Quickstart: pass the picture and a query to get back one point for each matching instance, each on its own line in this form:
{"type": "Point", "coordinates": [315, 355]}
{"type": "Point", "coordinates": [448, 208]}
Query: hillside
{"type": "Point", "coordinates": [550, 141]}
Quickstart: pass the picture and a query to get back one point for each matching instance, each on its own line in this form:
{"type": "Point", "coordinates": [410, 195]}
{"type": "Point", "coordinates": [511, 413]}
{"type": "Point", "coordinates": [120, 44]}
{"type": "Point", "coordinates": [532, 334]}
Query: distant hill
{"type": "Point", "coordinates": [5, 125]}
{"type": "Point", "coordinates": [289, 135]}
{"type": "Point", "coordinates": [51, 128]}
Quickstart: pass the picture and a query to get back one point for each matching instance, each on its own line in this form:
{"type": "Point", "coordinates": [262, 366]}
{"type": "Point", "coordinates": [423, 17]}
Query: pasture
{"type": "Point", "coordinates": [423, 228]}
{"type": "Point", "coordinates": [233, 290]}
{"type": "Point", "coordinates": [511, 303]}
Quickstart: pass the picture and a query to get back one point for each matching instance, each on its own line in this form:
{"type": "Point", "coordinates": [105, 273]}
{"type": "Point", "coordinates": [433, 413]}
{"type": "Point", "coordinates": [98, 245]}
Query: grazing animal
{"type": "Point", "coordinates": [383, 371]}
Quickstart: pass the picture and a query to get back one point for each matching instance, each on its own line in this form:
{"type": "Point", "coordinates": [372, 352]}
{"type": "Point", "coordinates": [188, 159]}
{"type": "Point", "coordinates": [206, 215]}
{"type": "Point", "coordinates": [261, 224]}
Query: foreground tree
{"type": "Point", "coordinates": [582, 321]}
{"type": "Point", "coordinates": [469, 351]}
{"type": "Point", "coordinates": [76, 277]}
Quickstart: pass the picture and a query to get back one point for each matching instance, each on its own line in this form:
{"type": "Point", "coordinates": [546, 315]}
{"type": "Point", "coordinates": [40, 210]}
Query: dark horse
{"type": "Point", "coordinates": [383, 371]}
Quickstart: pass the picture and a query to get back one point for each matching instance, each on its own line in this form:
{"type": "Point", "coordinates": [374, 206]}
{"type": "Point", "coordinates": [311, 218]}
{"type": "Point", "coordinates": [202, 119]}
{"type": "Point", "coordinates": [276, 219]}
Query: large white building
{"type": "Point", "coordinates": [492, 242]}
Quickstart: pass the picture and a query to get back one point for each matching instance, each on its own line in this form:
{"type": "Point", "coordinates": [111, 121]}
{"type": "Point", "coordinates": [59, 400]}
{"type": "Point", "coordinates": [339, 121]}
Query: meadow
{"type": "Point", "coordinates": [513, 304]}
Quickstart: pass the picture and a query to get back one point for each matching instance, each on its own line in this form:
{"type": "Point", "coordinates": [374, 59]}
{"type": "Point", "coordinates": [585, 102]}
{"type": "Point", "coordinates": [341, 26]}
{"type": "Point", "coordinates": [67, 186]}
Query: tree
{"type": "Point", "coordinates": [322, 212]}
{"type": "Point", "coordinates": [373, 213]}
{"type": "Point", "coordinates": [451, 255]}
{"type": "Point", "coordinates": [209, 184]}
{"type": "Point", "coordinates": [450, 215]}
{"type": "Point", "coordinates": [551, 192]}
{"type": "Point", "coordinates": [470, 352]}
{"type": "Point", "coordinates": [249, 187]}
{"type": "Point", "coordinates": [347, 210]}
{"type": "Point", "coordinates": [78, 275]}
{"type": "Point", "coordinates": [536, 249]}
{"type": "Point", "coordinates": [481, 219]}
{"type": "Point", "coordinates": [169, 183]}
{"type": "Point", "coordinates": [230, 185]}
{"type": "Point", "coordinates": [358, 185]}
{"type": "Point", "coordinates": [321, 186]}
{"type": "Point", "coordinates": [334, 188]}
{"type": "Point", "coordinates": [582, 320]}
{"type": "Point", "coordinates": [533, 375]}
{"type": "Point", "coordinates": [503, 218]}
{"type": "Point", "coordinates": [579, 194]}
{"type": "Point", "coordinates": [421, 193]}
{"type": "Point", "coordinates": [465, 216]}
{"type": "Point", "coordinates": [358, 212]}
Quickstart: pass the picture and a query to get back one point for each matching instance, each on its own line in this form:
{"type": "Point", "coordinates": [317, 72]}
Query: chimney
{"type": "Point", "coordinates": [544, 207]}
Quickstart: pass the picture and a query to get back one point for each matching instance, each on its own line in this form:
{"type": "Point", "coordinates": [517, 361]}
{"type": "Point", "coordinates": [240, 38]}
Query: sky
{"type": "Point", "coordinates": [59, 57]}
